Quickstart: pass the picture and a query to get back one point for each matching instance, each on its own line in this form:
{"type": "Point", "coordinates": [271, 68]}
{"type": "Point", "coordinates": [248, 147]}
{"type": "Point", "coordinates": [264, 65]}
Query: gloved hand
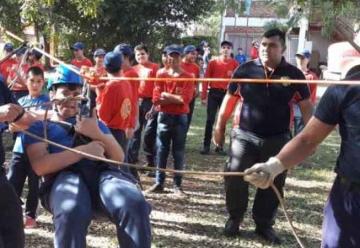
{"type": "Point", "coordinates": [262, 175]}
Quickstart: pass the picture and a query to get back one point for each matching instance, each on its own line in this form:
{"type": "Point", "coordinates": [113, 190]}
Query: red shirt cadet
{"type": "Point", "coordinates": [183, 88]}
{"type": "Point", "coordinates": [218, 68]}
{"type": "Point", "coordinates": [6, 66]}
{"type": "Point", "coordinates": [134, 84]}
{"type": "Point", "coordinates": [193, 69]}
{"type": "Point", "coordinates": [79, 58]}
{"type": "Point", "coordinates": [147, 70]}
{"type": "Point", "coordinates": [114, 103]}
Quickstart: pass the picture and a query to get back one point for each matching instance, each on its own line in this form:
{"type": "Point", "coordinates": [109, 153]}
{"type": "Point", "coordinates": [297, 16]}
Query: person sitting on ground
{"type": "Point", "coordinates": [75, 187]}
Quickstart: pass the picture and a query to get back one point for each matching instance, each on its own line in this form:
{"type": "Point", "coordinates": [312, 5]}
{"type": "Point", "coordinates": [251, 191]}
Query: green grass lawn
{"type": "Point", "coordinates": [198, 220]}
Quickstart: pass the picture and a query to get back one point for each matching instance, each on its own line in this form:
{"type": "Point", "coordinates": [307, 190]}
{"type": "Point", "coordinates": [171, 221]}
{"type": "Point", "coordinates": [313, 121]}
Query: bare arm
{"type": "Point", "coordinates": [304, 144]}
{"type": "Point", "coordinates": [44, 163]}
{"type": "Point", "coordinates": [168, 98]}
{"type": "Point", "coordinates": [306, 109]}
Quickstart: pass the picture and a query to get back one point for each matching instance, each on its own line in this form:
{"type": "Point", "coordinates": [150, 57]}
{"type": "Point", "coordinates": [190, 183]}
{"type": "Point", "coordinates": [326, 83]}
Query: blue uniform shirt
{"type": "Point", "coordinates": [266, 107]}
{"type": "Point", "coordinates": [27, 101]}
{"type": "Point", "coordinates": [341, 105]}
{"type": "Point", "coordinates": [241, 58]}
{"type": "Point", "coordinates": [5, 97]}
{"type": "Point", "coordinates": [56, 133]}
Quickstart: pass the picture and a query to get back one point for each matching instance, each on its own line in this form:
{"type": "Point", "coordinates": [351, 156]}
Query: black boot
{"type": "Point", "coordinates": [232, 228]}
{"type": "Point", "coordinates": [268, 234]}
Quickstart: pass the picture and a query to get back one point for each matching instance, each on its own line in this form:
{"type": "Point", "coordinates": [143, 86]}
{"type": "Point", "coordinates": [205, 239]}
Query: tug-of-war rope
{"type": "Point", "coordinates": [284, 81]}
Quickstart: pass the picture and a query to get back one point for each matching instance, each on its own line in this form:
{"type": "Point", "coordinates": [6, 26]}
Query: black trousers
{"type": "Point", "coordinates": [246, 149]}
{"type": "Point", "coordinates": [135, 143]}
{"type": "Point", "coordinates": [19, 170]}
{"type": "Point", "coordinates": [190, 114]}
{"type": "Point", "coordinates": [215, 98]}
{"type": "Point", "coordinates": [149, 144]}
{"type": "Point", "coordinates": [11, 221]}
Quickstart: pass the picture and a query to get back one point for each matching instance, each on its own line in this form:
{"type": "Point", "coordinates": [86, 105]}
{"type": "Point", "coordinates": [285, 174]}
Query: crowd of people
{"type": "Point", "coordinates": [125, 115]}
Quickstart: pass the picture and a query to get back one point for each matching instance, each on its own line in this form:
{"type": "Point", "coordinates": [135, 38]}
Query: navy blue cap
{"type": "Point", "coordinates": [125, 49]}
{"type": "Point", "coordinates": [78, 46]}
{"type": "Point", "coordinates": [21, 51]}
{"type": "Point", "coordinates": [174, 48]}
{"type": "Point", "coordinates": [36, 53]}
{"type": "Point", "coordinates": [8, 47]}
{"type": "Point", "coordinates": [189, 49]}
{"type": "Point", "coordinates": [113, 61]}
{"type": "Point", "coordinates": [304, 53]}
{"type": "Point", "coordinates": [226, 42]}
{"type": "Point", "coordinates": [99, 52]}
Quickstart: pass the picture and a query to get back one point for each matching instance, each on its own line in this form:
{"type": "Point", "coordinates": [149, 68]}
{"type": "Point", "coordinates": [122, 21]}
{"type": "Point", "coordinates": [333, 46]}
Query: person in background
{"type": "Point", "coordinates": [240, 56]}
{"type": "Point", "coordinates": [6, 66]}
{"type": "Point", "coordinates": [254, 51]}
{"type": "Point", "coordinates": [79, 59]}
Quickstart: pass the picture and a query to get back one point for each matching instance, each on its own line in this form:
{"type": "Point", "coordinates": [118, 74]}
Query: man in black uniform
{"type": "Point", "coordinates": [11, 223]}
{"type": "Point", "coordinates": [263, 130]}
{"type": "Point", "coordinates": [339, 106]}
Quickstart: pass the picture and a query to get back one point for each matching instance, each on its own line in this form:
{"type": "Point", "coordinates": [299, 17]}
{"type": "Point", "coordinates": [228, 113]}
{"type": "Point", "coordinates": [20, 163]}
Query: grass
{"type": "Point", "coordinates": [198, 220]}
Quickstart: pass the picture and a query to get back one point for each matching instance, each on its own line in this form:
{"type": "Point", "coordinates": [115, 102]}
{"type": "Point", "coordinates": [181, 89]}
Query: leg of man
{"type": "Point", "coordinates": [341, 223]}
{"type": "Point", "coordinates": [135, 143]}
{"type": "Point", "coordinates": [163, 139]}
{"type": "Point", "coordinates": [32, 199]}
{"type": "Point", "coordinates": [150, 140]}
{"type": "Point", "coordinates": [266, 202]}
{"type": "Point", "coordinates": [127, 208]}
{"type": "Point", "coordinates": [11, 221]}
{"type": "Point", "coordinates": [70, 204]}
{"type": "Point", "coordinates": [17, 172]}
{"type": "Point", "coordinates": [211, 111]}
{"type": "Point", "coordinates": [178, 134]}
{"type": "Point", "coordinates": [244, 152]}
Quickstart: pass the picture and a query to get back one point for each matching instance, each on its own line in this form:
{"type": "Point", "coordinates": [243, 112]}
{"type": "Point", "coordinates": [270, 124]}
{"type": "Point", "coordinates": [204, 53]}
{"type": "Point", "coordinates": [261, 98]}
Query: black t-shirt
{"type": "Point", "coordinates": [5, 97]}
{"type": "Point", "coordinates": [340, 104]}
{"type": "Point", "coordinates": [266, 107]}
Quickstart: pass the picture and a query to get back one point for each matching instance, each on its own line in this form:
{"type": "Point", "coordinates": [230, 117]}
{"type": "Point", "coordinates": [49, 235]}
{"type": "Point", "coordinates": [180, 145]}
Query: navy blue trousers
{"type": "Point", "coordinates": [341, 226]}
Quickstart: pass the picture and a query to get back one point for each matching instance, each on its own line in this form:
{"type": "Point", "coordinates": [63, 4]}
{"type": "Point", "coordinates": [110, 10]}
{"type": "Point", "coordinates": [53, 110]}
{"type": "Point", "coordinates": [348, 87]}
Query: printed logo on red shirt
{"type": "Point", "coordinates": [125, 109]}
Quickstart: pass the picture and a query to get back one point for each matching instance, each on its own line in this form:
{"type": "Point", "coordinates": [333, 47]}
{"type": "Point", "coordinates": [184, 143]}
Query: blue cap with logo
{"type": "Point", "coordinates": [99, 52]}
{"type": "Point", "coordinates": [113, 61]}
{"type": "Point", "coordinates": [189, 49]}
{"type": "Point", "coordinates": [8, 47]}
{"type": "Point", "coordinates": [174, 48]}
{"type": "Point", "coordinates": [125, 49]}
{"type": "Point", "coordinates": [78, 46]}
{"type": "Point", "coordinates": [64, 75]}
{"type": "Point", "coordinates": [304, 53]}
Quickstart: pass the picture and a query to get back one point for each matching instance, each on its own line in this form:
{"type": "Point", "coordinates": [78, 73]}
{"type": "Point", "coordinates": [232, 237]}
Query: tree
{"type": "Point", "coordinates": [107, 22]}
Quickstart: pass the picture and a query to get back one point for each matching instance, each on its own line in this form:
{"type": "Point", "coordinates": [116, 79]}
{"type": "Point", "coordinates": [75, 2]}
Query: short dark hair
{"type": "Point", "coordinates": [276, 32]}
{"type": "Point", "coordinates": [70, 86]}
{"type": "Point", "coordinates": [141, 46]}
{"type": "Point", "coordinates": [36, 71]}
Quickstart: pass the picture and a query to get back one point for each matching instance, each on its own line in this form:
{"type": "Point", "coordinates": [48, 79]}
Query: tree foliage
{"type": "Point", "coordinates": [105, 22]}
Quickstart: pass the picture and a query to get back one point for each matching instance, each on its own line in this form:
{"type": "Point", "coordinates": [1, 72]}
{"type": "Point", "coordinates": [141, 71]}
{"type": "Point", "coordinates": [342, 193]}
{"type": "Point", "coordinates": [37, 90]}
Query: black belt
{"type": "Point", "coordinates": [351, 185]}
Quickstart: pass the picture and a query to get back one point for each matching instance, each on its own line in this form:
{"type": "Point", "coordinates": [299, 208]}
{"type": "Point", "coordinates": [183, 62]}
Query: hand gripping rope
{"type": "Point", "coordinates": [184, 172]}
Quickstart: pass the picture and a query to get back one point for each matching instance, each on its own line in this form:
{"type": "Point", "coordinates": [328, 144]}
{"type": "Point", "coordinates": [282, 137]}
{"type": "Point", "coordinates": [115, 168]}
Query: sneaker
{"type": "Point", "coordinates": [232, 227]}
{"type": "Point", "coordinates": [156, 188]}
{"type": "Point", "coordinates": [220, 151]}
{"type": "Point", "coordinates": [268, 234]}
{"type": "Point", "coordinates": [178, 191]}
{"type": "Point", "coordinates": [205, 151]}
{"type": "Point", "coordinates": [29, 222]}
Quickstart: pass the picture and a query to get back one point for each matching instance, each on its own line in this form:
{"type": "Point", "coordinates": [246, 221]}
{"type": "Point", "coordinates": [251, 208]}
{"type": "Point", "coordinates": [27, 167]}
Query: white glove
{"type": "Point", "coordinates": [262, 175]}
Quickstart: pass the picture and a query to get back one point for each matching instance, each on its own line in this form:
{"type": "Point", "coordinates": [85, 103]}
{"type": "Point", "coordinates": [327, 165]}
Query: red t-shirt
{"type": "Point", "coordinates": [193, 69]}
{"type": "Point", "coordinates": [309, 75]}
{"type": "Point", "coordinates": [6, 67]}
{"type": "Point", "coordinates": [218, 68]}
{"type": "Point", "coordinates": [254, 53]}
{"type": "Point", "coordinates": [114, 104]}
{"type": "Point", "coordinates": [146, 87]}
{"type": "Point", "coordinates": [84, 62]}
{"type": "Point", "coordinates": [13, 77]}
{"type": "Point", "coordinates": [182, 88]}
{"type": "Point", "coordinates": [131, 73]}
{"type": "Point", "coordinates": [38, 64]}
